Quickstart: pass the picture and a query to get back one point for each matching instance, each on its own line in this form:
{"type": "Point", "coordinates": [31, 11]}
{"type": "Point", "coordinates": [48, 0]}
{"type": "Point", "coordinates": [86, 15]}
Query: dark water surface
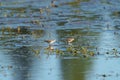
{"type": "Point", "coordinates": [26, 24]}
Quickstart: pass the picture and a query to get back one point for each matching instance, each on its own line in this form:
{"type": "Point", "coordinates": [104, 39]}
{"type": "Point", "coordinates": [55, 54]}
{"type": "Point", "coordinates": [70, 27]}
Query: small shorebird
{"type": "Point", "coordinates": [41, 10]}
{"type": "Point", "coordinates": [53, 3]}
{"type": "Point", "coordinates": [69, 40]}
{"type": "Point", "coordinates": [50, 41]}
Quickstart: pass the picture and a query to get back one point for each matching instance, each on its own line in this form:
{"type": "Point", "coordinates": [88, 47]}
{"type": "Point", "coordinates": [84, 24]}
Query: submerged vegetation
{"type": "Point", "coordinates": [70, 49]}
{"type": "Point", "coordinates": [83, 50]}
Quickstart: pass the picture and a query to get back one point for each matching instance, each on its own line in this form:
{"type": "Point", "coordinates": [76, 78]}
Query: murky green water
{"type": "Point", "coordinates": [93, 55]}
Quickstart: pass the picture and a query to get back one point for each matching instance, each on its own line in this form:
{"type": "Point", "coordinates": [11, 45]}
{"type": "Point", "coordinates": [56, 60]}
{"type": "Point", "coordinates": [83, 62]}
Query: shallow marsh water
{"type": "Point", "coordinates": [25, 24]}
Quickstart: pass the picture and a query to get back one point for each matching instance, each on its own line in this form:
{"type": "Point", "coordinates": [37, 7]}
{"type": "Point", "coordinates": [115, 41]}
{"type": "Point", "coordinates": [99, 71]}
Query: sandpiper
{"type": "Point", "coordinates": [41, 10]}
{"type": "Point", "coordinates": [53, 3]}
{"type": "Point", "coordinates": [69, 40]}
{"type": "Point", "coordinates": [50, 41]}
